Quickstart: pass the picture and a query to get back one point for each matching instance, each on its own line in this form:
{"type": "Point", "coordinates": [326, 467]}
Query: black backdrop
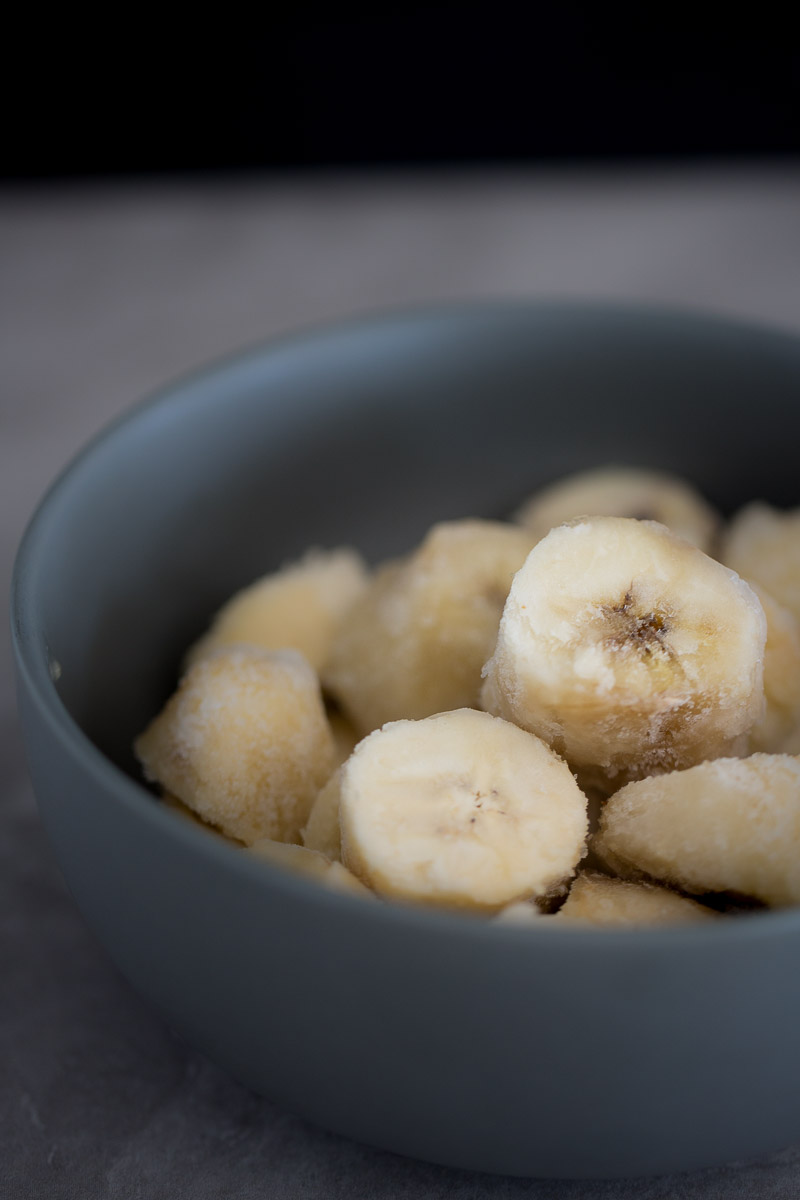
{"type": "Point", "coordinates": [222, 88]}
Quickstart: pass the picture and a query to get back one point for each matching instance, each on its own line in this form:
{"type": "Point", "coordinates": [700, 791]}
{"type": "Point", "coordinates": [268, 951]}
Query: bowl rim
{"type": "Point", "coordinates": [34, 672]}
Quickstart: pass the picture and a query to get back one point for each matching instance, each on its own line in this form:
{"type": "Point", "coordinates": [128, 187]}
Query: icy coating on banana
{"type": "Point", "coordinates": [600, 900]}
{"type": "Point", "coordinates": [244, 742]}
{"type": "Point", "coordinates": [780, 722]}
{"type": "Point", "coordinates": [763, 544]}
{"type": "Point", "coordinates": [461, 809]}
{"type": "Point", "coordinates": [628, 650]}
{"type": "Point", "coordinates": [415, 642]}
{"type": "Point", "coordinates": [321, 831]}
{"type": "Point", "coordinates": [623, 492]}
{"type": "Point", "coordinates": [732, 825]}
{"type": "Point", "coordinates": [311, 863]}
{"type": "Point", "coordinates": [299, 607]}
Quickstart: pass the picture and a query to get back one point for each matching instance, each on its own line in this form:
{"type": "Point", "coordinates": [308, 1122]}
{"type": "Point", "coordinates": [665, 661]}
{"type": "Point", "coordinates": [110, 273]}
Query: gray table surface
{"type": "Point", "coordinates": [106, 292]}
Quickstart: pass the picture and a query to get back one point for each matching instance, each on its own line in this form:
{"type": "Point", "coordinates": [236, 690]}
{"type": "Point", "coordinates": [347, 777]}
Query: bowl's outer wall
{"type": "Point", "coordinates": [508, 1050]}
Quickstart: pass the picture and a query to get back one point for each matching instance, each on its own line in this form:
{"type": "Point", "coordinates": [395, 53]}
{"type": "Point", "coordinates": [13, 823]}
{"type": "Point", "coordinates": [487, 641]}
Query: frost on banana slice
{"type": "Point", "coordinates": [763, 544]}
{"type": "Point", "coordinates": [460, 809]}
{"type": "Point", "coordinates": [623, 492]}
{"type": "Point", "coordinates": [310, 863]}
{"type": "Point", "coordinates": [732, 825]}
{"type": "Point", "coordinates": [414, 644]}
{"type": "Point", "coordinates": [244, 742]}
{"type": "Point", "coordinates": [321, 832]}
{"type": "Point", "coordinates": [628, 650]}
{"type": "Point", "coordinates": [600, 900]}
{"type": "Point", "coordinates": [780, 721]}
{"type": "Point", "coordinates": [299, 607]}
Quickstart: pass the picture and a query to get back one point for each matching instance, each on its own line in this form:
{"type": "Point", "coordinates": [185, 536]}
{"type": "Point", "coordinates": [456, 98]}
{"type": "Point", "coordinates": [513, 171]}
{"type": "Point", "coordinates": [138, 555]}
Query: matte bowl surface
{"type": "Point", "coordinates": [526, 1051]}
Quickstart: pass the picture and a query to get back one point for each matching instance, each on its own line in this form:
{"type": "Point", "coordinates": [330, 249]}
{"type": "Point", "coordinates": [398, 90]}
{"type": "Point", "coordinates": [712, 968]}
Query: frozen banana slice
{"type": "Point", "coordinates": [415, 642]}
{"type": "Point", "coordinates": [732, 825]}
{"type": "Point", "coordinates": [244, 742]}
{"type": "Point", "coordinates": [299, 607]}
{"type": "Point", "coordinates": [628, 650]}
{"type": "Point", "coordinates": [623, 492]}
{"type": "Point", "coordinates": [462, 810]}
{"type": "Point", "coordinates": [781, 717]}
{"type": "Point", "coordinates": [600, 900]}
{"type": "Point", "coordinates": [321, 831]}
{"type": "Point", "coordinates": [310, 863]}
{"type": "Point", "coordinates": [763, 544]}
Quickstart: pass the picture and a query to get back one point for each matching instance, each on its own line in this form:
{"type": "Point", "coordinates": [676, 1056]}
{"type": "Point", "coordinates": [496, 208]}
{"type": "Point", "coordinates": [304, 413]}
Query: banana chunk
{"type": "Point", "coordinates": [309, 863]}
{"type": "Point", "coordinates": [780, 720]}
{"type": "Point", "coordinates": [321, 832]}
{"type": "Point", "coordinates": [732, 825]}
{"type": "Point", "coordinates": [244, 743]}
{"type": "Point", "coordinates": [623, 492]}
{"type": "Point", "coordinates": [763, 544]}
{"type": "Point", "coordinates": [460, 809]}
{"type": "Point", "coordinates": [299, 607]}
{"type": "Point", "coordinates": [600, 900]}
{"type": "Point", "coordinates": [628, 650]}
{"type": "Point", "coordinates": [414, 644]}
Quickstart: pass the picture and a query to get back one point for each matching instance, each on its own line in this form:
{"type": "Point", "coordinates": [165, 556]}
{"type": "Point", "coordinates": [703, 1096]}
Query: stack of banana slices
{"type": "Point", "coordinates": [588, 715]}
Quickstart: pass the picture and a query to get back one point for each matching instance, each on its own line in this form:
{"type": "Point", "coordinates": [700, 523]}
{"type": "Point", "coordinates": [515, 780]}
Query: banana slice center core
{"type": "Point", "coordinates": [629, 626]}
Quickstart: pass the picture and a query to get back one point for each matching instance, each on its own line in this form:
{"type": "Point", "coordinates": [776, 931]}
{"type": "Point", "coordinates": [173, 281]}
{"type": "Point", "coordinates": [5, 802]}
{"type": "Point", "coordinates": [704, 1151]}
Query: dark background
{"type": "Point", "coordinates": [318, 85]}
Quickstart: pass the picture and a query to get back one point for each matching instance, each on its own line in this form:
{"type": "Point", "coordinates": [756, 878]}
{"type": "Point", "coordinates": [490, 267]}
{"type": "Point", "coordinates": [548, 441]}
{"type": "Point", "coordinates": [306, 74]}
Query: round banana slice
{"type": "Point", "coordinates": [299, 607]}
{"type": "Point", "coordinates": [628, 650]}
{"type": "Point", "coordinates": [600, 900]}
{"type": "Point", "coordinates": [732, 825]}
{"type": "Point", "coordinates": [310, 863]}
{"type": "Point", "coordinates": [781, 717]}
{"type": "Point", "coordinates": [244, 742]}
{"type": "Point", "coordinates": [321, 832]}
{"type": "Point", "coordinates": [462, 810]}
{"type": "Point", "coordinates": [763, 544]}
{"type": "Point", "coordinates": [623, 492]}
{"type": "Point", "coordinates": [414, 644]}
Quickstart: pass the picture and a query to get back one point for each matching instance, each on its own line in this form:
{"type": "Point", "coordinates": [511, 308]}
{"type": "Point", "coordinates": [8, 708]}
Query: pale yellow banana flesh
{"type": "Point", "coordinates": [763, 544]}
{"type": "Point", "coordinates": [628, 650]}
{"type": "Point", "coordinates": [731, 825]}
{"type": "Point", "coordinates": [462, 810]}
{"type": "Point", "coordinates": [310, 863]}
{"type": "Point", "coordinates": [600, 900]}
{"type": "Point", "coordinates": [415, 643]}
{"type": "Point", "coordinates": [244, 743]}
{"type": "Point", "coordinates": [623, 492]}
{"type": "Point", "coordinates": [779, 724]}
{"type": "Point", "coordinates": [321, 832]}
{"type": "Point", "coordinates": [299, 607]}
{"type": "Point", "coordinates": [522, 913]}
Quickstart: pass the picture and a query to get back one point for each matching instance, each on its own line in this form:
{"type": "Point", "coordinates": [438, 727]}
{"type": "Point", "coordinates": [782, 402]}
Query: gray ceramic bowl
{"type": "Point", "coordinates": [556, 1053]}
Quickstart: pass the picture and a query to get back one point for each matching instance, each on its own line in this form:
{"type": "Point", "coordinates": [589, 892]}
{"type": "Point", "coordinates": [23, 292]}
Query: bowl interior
{"type": "Point", "coordinates": [364, 435]}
